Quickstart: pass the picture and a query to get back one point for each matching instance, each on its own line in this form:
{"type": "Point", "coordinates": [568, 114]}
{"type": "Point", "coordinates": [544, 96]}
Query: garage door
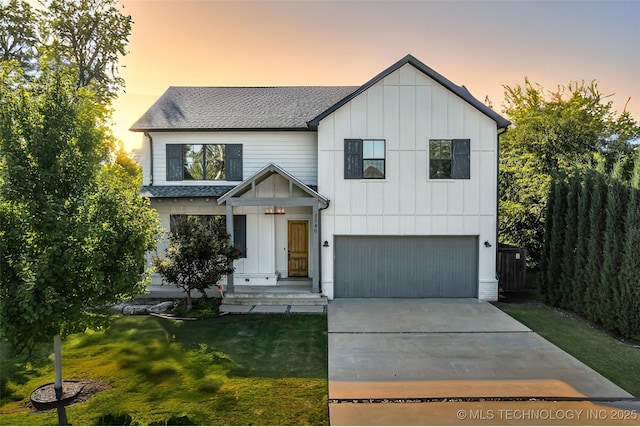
{"type": "Point", "coordinates": [406, 267]}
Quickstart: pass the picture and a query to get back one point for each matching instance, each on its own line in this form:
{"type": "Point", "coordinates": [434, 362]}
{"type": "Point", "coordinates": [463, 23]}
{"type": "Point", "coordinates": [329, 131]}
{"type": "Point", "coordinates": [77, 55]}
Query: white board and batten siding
{"type": "Point", "coordinates": [296, 152]}
{"type": "Point", "coordinates": [407, 109]}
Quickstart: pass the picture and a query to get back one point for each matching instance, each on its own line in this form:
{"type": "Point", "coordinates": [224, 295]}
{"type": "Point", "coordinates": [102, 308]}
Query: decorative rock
{"type": "Point", "coordinates": [163, 307]}
{"type": "Point", "coordinates": [135, 310]}
{"type": "Point", "coordinates": [118, 308]}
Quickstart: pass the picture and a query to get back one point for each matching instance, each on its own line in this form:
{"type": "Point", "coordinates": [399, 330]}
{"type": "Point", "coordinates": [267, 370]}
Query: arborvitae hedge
{"type": "Point", "coordinates": [556, 240]}
{"type": "Point", "coordinates": [591, 252]}
{"type": "Point", "coordinates": [580, 277]}
{"type": "Point", "coordinates": [630, 268]}
{"type": "Point", "coordinates": [568, 264]}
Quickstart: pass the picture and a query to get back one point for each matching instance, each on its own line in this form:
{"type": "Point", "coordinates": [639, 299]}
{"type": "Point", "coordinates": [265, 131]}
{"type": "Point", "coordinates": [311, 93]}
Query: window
{"type": "Point", "coordinates": [449, 159]}
{"type": "Point", "coordinates": [239, 227]}
{"type": "Point", "coordinates": [213, 162]}
{"type": "Point", "coordinates": [364, 158]}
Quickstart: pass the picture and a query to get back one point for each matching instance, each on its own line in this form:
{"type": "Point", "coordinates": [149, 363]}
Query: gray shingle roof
{"type": "Point", "coordinates": [212, 108]}
{"type": "Point", "coordinates": [184, 190]}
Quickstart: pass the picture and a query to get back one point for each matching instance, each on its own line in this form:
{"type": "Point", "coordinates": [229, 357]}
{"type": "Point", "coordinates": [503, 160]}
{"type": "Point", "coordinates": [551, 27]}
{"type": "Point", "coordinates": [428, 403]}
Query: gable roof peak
{"type": "Point", "coordinates": [460, 91]}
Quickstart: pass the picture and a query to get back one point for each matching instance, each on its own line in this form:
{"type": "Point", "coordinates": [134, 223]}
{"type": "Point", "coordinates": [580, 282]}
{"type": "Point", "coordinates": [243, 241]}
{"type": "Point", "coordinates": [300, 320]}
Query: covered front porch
{"type": "Point", "coordinates": [282, 236]}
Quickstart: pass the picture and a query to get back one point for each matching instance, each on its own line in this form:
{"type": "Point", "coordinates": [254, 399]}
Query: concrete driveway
{"type": "Point", "coordinates": [462, 361]}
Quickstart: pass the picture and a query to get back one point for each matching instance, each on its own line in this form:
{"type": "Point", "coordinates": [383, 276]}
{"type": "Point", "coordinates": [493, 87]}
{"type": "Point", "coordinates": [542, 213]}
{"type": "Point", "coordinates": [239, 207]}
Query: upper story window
{"type": "Point", "coordinates": [213, 162]}
{"type": "Point", "coordinates": [364, 158]}
{"type": "Point", "coordinates": [449, 159]}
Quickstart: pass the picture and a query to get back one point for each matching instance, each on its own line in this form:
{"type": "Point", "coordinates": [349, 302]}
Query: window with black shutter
{"type": "Point", "coordinates": [449, 159]}
{"type": "Point", "coordinates": [206, 162]}
{"type": "Point", "coordinates": [364, 158]}
{"type": "Point", "coordinates": [234, 162]}
{"type": "Point", "coordinates": [174, 162]}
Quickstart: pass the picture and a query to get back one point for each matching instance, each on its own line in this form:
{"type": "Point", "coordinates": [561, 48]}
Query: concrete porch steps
{"type": "Point", "coordinates": [272, 309]}
{"type": "Point", "coordinates": [274, 298]}
{"type": "Point", "coordinates": [290, 296]}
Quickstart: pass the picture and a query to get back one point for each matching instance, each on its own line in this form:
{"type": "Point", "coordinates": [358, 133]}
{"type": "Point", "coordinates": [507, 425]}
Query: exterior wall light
{"type": "Point", "coordinates": [487, 244]}
{"type": "Point", "coordinates": [274, 211]}
{"type": "Point", "coordinates": [325, 244]}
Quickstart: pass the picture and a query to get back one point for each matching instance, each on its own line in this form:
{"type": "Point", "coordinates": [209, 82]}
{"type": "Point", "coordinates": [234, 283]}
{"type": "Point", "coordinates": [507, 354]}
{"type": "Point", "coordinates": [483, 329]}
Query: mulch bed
{"type": "Point", "coordinates": [44, 398]}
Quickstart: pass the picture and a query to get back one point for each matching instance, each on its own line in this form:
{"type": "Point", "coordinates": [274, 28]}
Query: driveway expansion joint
{"type": "Point", "coordinates": [427, 332]}
{"type": "Point", "coordinates": [484, 399]}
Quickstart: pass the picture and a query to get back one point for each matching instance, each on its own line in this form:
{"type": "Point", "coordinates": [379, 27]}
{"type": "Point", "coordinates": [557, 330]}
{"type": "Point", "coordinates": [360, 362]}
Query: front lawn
{"type": "Point", "coordinates": [616, 360]}
{"type": "Point", "coordinates": [231, 370]}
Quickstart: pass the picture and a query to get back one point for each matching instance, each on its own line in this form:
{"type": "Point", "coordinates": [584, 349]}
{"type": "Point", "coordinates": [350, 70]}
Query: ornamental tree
{"type": "Point", "coordinates": [199, 254]}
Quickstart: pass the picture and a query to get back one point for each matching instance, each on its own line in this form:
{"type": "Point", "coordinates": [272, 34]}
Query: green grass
{"type": "Point", "coordinates": [616, 360]}
{"type": "Point", "coordinates": [231, 370]}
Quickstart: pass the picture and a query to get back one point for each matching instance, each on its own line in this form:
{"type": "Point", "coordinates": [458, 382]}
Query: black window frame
{"type": "Point", "coordinates": [239, 228]}
{"type": "Point", "coordinates": [175, 154]}
{"type": "Point", "coordinates": [355, 160]}
{"type": "Point", "coordinates": [459, 158]}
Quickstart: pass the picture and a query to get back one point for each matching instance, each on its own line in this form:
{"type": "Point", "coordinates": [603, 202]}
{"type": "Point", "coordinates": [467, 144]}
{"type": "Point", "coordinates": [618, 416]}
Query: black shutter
{"type": "Point", "coordinates": [240, 233]}
{"type": "Point", "coordinates": [174, 162]}
{"type": "Point", "coordinates": [233, 162]}
{"type": "Point", "coordinates": [461, 159]}
{"type": "Point", "coordinates": [352, 158]}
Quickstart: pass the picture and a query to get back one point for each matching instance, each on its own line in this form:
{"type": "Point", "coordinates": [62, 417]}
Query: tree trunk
{"type": "Point", "coordinates": [57, 360]}
{"type": "Point", "coordinates": [189, 303]}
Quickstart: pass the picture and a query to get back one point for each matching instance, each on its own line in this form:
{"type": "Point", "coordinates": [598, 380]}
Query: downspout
{"type": "Point", "coordinates": [320, 245]}
{"type": "Point", "coordinates": [150, 158]}
{"type": "Point", "coordinates": [498, 194]}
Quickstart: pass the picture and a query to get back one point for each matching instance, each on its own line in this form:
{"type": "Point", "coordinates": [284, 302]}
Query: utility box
{"type": "Point", "coordinates": [512, 268]}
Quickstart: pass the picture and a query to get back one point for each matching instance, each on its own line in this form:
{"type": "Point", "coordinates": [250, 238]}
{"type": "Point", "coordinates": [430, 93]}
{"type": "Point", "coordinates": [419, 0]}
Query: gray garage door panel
{"type": "Point", "coordinates": [406, 267]}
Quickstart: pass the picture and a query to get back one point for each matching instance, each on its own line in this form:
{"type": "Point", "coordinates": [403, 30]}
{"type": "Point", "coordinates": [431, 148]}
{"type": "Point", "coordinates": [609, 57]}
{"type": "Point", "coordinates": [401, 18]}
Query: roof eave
{"type": "Point", "coordinates": [253, 129]}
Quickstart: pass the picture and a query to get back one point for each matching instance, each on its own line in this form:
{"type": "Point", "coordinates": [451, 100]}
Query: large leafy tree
{"type": "Point", "coordinates": [553, 131]}
{"type": "Point", "coordinates": [18, 34]}
{"type": "Point", "coordinates": [92, 35]}
{"type": "Point", "coordinates": [199, 254]}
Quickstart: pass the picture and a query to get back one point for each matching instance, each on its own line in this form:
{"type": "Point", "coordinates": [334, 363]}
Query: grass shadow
{"type": "Point", "coordinates": [18, 368]}
{"type": "Point", "coordinates": [281, 346]}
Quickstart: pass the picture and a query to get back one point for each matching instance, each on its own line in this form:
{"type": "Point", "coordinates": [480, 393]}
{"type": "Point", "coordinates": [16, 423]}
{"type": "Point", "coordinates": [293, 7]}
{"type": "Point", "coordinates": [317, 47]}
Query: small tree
{"type": "Point", "coordinates": [73, 230]}
{"type": "Point", "coordinates": [199, 254]}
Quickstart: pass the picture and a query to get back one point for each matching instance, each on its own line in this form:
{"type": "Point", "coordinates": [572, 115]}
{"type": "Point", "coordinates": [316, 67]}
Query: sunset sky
{"type": "Point", "coordinates": [480, 44]}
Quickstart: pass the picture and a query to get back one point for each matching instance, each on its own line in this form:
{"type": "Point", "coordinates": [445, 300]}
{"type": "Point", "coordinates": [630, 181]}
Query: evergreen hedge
{"type": "Point", "coordinates": [591, 252]}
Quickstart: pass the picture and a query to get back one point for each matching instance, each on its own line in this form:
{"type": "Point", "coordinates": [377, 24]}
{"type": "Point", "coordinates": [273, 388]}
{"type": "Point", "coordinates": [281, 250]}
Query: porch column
{"type": "Point", "coordinates": [231, 242]}
{"type": "Point", "coordinates": [315, 259]}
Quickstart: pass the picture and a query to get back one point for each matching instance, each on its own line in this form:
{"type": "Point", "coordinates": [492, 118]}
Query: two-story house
{"type": "Point", "coordinates": [384, 190]}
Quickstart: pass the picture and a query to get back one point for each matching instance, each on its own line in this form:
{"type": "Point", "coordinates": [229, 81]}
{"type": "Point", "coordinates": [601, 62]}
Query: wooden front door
{"type": "Point", "coordinates": [298, 248]}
